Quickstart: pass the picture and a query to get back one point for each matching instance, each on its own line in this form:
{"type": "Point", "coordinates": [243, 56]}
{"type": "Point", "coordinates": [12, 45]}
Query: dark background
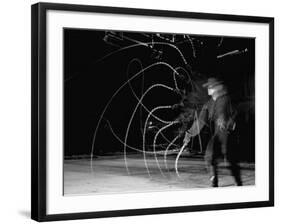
{"type": "Point", "coordinates": [90, 79]}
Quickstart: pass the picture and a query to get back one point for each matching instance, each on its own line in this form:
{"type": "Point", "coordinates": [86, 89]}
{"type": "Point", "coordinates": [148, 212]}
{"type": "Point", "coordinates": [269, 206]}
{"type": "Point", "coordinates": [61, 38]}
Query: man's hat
{"type": "Point", "coordinates": [212, 82]}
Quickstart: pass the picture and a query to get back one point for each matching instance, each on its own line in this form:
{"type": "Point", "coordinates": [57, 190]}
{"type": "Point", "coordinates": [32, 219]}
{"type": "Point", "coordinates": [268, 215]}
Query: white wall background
{"type": "Point", "coordinates": [15, 110]}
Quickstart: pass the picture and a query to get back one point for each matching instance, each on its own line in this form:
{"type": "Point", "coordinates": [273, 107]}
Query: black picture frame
{"type": "Point", "coordinates": [39, 110]}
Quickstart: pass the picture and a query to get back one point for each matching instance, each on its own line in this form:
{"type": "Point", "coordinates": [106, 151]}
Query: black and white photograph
{"type": "Point", "coordinates": [157, 112]}
{"type": "Point", "coordinates": [141, 111]}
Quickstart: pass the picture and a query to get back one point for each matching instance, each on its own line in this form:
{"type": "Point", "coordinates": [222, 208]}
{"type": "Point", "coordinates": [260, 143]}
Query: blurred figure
{"type": "Point", "coordinates": [219, 115]}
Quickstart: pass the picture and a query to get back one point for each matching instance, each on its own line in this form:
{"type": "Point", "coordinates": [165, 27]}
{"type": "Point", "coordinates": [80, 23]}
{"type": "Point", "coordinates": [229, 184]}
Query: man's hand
{"type": "Point", "coordinates": [186, 138]}
{"type": "Point", "coordinates": [221, 124]}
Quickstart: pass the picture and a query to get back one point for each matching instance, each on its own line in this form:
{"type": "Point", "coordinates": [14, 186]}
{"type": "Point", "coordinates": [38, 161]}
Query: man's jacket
{"type": "Point", "coordinates": [217, 114]}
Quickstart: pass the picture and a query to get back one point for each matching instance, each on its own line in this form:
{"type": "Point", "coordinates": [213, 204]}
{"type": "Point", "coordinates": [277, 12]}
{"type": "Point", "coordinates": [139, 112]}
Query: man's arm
{"type": "Point", "coordinates": [197, 125]}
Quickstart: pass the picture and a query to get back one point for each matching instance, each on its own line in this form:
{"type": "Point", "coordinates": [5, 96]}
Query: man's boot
{"type": "Point", "coordinates": [214, 181]}
{"type": "Point", "coordinates": [235, 170]}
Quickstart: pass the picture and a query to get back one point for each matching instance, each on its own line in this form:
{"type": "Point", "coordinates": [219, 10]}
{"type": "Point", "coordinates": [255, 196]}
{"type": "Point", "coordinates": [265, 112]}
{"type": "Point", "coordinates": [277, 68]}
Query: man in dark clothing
{"type": "Point", "coordinates": [218, 114]}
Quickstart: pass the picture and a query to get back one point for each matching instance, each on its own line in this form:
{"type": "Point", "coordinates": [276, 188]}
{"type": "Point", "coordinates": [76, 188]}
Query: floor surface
{"type": "Point", "coordinates": [109, 174]}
